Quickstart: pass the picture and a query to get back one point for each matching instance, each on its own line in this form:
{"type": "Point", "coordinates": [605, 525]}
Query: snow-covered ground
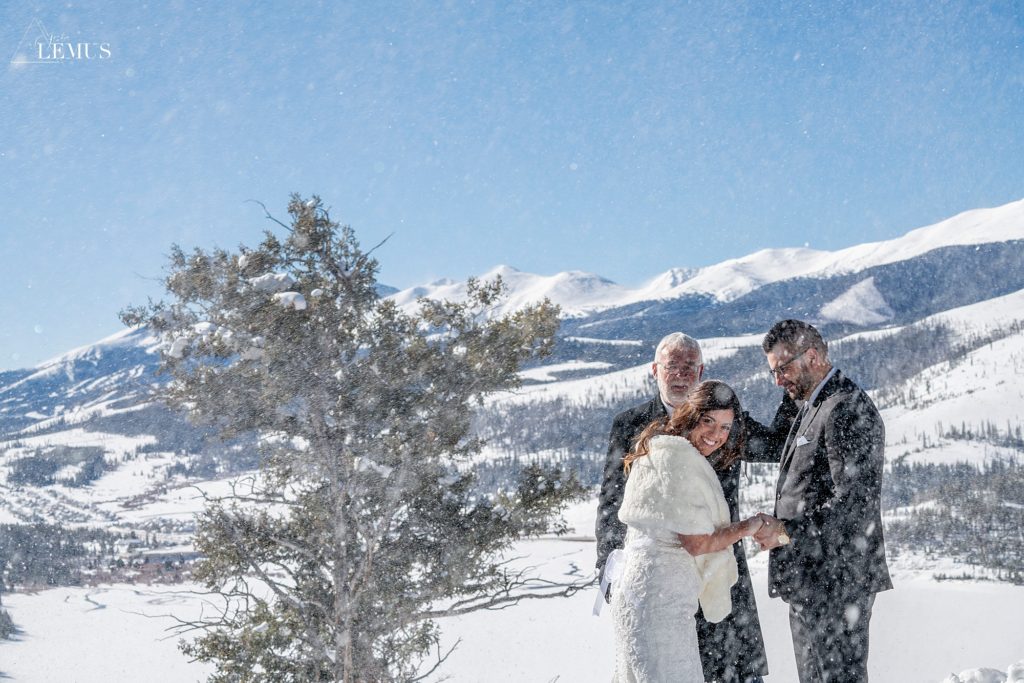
{"type": "Point", "coordinates": [104, 634]}
{"type": "Point", "coordinates": [922, 631]}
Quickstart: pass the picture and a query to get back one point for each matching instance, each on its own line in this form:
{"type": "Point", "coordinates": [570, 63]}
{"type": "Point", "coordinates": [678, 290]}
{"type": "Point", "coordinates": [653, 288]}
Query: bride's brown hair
{"type": "Point", "coordinates": [702, 399]}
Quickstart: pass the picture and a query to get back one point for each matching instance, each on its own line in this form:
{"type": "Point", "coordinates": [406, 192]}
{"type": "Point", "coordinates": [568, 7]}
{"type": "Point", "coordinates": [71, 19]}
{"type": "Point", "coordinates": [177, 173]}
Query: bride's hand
{"type": "Point", "coordinates": [752, 525]}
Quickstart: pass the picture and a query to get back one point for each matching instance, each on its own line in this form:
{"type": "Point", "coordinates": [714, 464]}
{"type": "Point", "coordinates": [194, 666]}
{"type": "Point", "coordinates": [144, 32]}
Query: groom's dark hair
{"type": "Point", "coordinates": [796, 335]}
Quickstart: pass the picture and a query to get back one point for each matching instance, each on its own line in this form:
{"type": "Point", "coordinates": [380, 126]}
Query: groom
{"type": "Point", "coordinates": [827, 552]}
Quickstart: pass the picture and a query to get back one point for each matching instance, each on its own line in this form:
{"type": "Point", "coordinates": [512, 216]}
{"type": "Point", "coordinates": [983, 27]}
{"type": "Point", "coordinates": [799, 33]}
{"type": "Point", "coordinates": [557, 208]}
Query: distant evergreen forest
{"type": "Point", "coordinates": [43, 465]}
{"type": "Point", "coordinates": [50, 555]}
{"type": "Point", "coordinates": [972, 513]}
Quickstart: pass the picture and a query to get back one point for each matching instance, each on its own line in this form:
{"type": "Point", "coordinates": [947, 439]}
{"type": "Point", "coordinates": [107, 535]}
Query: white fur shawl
{"type": "Point", "coordinates": [674, 488]}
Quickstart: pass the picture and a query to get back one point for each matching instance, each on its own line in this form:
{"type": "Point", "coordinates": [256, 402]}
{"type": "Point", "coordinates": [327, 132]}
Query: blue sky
{"type": "Point", "coordinates": [622, 139]}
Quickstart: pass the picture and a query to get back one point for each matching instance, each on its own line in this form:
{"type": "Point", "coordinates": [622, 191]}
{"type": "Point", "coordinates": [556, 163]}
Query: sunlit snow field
{"type": "Point", "coordinates": [924, 630]}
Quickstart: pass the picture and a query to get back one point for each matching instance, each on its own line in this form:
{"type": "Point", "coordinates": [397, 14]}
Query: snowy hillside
{"type": "Point", "coordinates": [138, 487]}
{"type": "Point", "coordinates": [98, 379]}
{"type": "Point", "coordinates": [983, 387]}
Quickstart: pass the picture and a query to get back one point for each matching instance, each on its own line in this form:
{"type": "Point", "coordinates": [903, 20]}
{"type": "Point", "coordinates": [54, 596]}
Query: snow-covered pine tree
{"type": "Point", "coordinates": [360, 529]}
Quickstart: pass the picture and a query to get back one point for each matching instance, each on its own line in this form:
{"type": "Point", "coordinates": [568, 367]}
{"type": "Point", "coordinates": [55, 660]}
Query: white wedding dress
{"type": "Point", "coordinates": [654, 603]}
{"type": "Point", "coordinates": [673, 490]}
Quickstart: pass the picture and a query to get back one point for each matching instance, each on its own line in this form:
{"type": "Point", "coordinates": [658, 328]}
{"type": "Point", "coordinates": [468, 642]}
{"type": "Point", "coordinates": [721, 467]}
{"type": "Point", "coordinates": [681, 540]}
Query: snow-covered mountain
{"type": "Point", "coordinates": [108, 376]}
{"type": "Point", "coordinates": [734, 278]}
{"type": "Point", "coordinates": [579, 293]}
{"type": "Point", "coordinates": [575, 291]}
{"type": "Point", "coordinates": [942, 305]}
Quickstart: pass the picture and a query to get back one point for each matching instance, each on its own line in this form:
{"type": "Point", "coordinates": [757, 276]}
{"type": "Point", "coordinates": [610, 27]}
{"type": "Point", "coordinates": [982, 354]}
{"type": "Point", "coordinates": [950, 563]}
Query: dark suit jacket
{"type": "Point", "coordinates": [829, 496]}
{"type": "Point", "coordinates": [732, 648]}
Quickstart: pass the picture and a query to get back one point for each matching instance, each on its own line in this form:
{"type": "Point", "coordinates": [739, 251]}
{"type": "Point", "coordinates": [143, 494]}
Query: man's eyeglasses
{"type": "Point", "coordinates": [677, 369]}
{"type": "Point", "coordinates": [780, 369]}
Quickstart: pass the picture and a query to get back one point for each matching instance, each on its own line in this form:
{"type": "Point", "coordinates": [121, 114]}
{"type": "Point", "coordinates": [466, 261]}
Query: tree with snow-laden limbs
{"type": "Point", "coordinates": [364, 524]}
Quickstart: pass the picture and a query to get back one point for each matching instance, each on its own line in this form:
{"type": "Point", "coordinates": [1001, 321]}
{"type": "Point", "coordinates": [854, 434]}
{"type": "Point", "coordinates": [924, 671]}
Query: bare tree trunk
{"type": "Point", "coordinates": [342, 588]}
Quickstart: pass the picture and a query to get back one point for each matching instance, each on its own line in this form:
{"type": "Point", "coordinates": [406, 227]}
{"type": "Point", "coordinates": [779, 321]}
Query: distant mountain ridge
{"type": "Point", "coordinates": [889, 294]}
{"type": "Point", "coordinates": [575, 291]}
{"type": "Point", "coordinates": [580, 293]}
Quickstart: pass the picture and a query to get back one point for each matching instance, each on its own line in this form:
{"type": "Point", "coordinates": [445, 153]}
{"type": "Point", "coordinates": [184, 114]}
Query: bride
{"type": "Point", "coordinates": [678, 544]}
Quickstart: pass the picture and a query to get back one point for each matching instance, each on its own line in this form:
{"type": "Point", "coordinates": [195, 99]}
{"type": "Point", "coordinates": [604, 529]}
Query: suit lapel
{"type": "Point", "coordinates": [790, 446]}
{"type": "Point", "coordinates": [802, 421]}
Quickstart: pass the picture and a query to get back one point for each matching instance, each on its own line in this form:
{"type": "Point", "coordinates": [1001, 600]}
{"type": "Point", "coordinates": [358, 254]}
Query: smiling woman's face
{"type": "Point", "coordinates": [712, 431]}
